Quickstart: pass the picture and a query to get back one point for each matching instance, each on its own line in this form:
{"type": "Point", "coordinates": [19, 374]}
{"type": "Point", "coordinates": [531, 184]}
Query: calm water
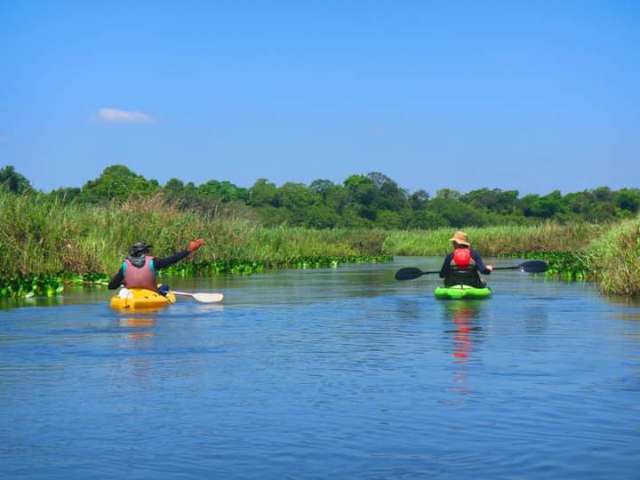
{"type": "Point", "coordinates": [325, 374]}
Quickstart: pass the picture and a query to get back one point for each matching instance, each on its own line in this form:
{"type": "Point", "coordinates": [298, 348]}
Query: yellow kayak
{"type": "Point", "coordinates": [137, 298]}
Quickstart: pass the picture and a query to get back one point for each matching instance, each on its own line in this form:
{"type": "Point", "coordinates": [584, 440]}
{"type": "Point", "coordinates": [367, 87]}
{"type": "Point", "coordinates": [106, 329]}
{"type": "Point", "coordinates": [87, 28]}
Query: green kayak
{"type": "Point", "coordinates": [462, 291]}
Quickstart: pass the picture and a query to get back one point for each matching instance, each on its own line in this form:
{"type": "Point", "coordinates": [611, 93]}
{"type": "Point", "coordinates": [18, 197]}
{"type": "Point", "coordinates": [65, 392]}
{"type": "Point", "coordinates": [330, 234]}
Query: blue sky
{"type": "Point", "coordinates": [534, 96]}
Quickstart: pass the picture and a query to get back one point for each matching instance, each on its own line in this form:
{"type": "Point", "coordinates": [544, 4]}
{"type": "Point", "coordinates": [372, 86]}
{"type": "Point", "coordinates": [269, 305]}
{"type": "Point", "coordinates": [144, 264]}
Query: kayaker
{"type": "Point", "coordinates": [139, 269]}
{"type": "Point", "coordinates": [464, 265]}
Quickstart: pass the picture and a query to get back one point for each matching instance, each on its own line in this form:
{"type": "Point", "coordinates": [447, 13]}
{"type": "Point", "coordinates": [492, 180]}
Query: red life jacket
{"type": "Point", "coordinates": [140, 277]}
{"type": "Point", "coordinates": [462, 258]}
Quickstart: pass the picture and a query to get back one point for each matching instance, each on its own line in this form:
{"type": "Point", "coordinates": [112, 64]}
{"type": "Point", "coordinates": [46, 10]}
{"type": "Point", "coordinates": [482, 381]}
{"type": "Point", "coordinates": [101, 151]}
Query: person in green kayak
{"type": "Point", "coordinates": [464, 265]}
{"type": "Point", "coordinates": [139, 269]}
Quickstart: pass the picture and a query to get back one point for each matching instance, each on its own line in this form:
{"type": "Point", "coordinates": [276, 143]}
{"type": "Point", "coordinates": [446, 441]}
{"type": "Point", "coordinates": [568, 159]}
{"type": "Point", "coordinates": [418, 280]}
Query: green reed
{"type": "Point", "coordinates": [615, 259]}
{"type": "Point", "coordinates": [612, 260]}
{"type": "Point", "coordinates": [495, 241]}
{"type": "Point", "coordinates": [45, 245]}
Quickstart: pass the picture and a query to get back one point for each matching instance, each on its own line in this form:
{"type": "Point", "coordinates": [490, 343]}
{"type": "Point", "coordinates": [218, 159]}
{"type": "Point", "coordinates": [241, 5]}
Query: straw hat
{"type": "Point", "coordinates": [461, 238]}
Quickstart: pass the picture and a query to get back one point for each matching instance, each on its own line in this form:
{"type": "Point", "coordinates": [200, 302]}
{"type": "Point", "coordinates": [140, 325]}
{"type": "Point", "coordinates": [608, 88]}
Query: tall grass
{"type": "Point", "coordinates": [42, 236]}
{"type": "Point", "coordinates": [615, 259]}
{"type": "Point", "coordinates": [43, 242]}
{"type": "Point", "coordinates": [493, 241]}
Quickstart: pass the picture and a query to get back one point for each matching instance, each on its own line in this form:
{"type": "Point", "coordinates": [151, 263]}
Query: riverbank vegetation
{"type": "Point", "coordinates": [614, 259]}
{"type": "Point", "coordinates": [505, 240]}
{"type": "Point", "coordinates": [45, 241]}
{"type": "Point", "coordinates": [81, 235]}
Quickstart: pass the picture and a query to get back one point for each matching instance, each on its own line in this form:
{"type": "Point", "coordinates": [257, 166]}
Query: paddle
{"type": "Point", "coordinates": [531, 266]}
{"type": "Point", "coordinates": [202, 297]}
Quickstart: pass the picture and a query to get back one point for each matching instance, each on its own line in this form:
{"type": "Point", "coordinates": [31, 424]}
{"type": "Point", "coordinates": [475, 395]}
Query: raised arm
{"type": "Point", "coordinates": [194, 245]}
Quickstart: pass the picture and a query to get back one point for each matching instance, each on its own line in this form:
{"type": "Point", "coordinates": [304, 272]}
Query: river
{"type": "Point", "coordinates": [329, 373]}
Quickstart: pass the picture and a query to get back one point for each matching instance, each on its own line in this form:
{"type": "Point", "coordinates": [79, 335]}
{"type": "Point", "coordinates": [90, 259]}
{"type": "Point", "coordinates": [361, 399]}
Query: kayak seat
{"type": "Point", "coordinates": [464, 276]}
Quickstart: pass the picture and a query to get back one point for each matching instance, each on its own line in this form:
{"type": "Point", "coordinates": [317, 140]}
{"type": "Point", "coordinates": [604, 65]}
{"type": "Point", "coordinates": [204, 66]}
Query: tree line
{"type": "Point", "coordinates": [361, 201]}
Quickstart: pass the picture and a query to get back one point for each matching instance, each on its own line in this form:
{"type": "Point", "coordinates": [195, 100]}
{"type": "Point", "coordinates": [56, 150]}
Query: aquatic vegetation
{"type": "Point", "coordinates": [45, 285]}
{"type": "Point", "coordinates": [33, 285]}
{"type": "Point", "coordinates": [249, 267]}
{"type": "Point", "coordinates": [566, 265]}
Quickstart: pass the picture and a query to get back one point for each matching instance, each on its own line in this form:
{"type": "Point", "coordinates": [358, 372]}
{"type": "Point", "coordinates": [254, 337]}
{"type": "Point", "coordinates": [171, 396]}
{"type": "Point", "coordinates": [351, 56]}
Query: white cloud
{"type": "Point", "coordinates": [116, 115]}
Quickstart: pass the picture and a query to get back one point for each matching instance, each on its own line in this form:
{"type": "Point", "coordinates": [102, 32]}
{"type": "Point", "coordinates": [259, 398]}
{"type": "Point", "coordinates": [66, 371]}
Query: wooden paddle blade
{"type": "Point", "coordinates": [534, 266]}
{"type": "Point", "coordinates": [208, 297]}
{"type": "Point", "coordinates": [202, 297]}
{"type": "Point", "coordinates": [408, 273]}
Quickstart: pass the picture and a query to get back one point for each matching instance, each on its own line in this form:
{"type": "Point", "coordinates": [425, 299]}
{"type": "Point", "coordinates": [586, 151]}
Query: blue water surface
{"type": "Point", "coordinates": [332, 373]}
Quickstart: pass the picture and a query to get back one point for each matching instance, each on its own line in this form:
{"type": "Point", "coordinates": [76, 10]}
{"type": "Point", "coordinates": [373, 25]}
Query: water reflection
{"type": "Point", "coordinates": [207, 308]}
{"type": "Point", "coordinates": [535, 320]}
{"type": "Point", "coordinates": [138, 323]}
{"type": "Point", "coordinates": [464, 316]}
{"type": "Point", "coordinates": [7, 303]}
{"type": "Point", "coordinates": [139, 341]}
{"type": "Point", "coordinates": [409, 308]}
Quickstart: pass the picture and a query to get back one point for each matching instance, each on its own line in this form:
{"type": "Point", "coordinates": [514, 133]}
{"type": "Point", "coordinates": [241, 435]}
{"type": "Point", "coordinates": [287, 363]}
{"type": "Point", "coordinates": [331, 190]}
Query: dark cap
{"type": "Point", "coordinates": [138, 248]}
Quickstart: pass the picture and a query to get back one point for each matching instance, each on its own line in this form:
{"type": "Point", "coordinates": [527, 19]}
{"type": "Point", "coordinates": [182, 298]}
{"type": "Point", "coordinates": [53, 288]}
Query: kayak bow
{"type": "Point", "coordinates": [457, 292]}
{"type": "Point", "coordinates": [140, 298]}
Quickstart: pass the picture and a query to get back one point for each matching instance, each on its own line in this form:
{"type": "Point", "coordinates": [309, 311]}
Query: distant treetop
{"type": "Point", "coordinates": [361, 201]}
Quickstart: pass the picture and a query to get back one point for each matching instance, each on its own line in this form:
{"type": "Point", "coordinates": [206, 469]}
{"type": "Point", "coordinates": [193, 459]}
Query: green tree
{"type": "Point", "coordinates": [13, 182]}
{"type": "Point", "coordinates": [322, 187]}
{"type": "Point", "coordinates": [456, 213]}
{"type": "Point", "coordinates": [418, 200]}
{"type": "Point", "coordinates": [362, 190]}
{"type": "Point", "coordinates": [117, 182]}
{"type": "Point", "coordinates": [297, 199]}
{"type": "Point", "coordinates": [225, 191]}
{"type": "Point", "coordinates": [262, 193]}
{"type": "Point", "coordinates": [295, 196]}
{"type": "Point", "coordinates": [174, 186]}
{"type": "Point", "coordinates": [389, 196]}
{"type": "Point", "coordinates": [271, 216]}
{"type": "Point", "coordinates": [321, 216]}
{"type": "Point", "coordinates": [388, 219]}
{"type": "Point", "coordinates": [628, 199]}
{"type": "Point", "coordinates": [495, 200]}
{"type": "Point", "coordinates": [427, 220]}
{"type": "Point", "coordinates": [603, 194]}
{"type": "Point", "coordinates": [545, 207]}
{"type": "Point", "coordinates": [448, 194]}
{"type": "Point", "coordinates": [579, 203]}
{"type": "Point", "coordinates": [336, 198]}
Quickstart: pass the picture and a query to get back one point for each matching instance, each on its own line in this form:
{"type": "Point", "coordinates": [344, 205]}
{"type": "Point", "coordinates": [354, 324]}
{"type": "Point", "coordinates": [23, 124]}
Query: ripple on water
{"type": "Point", "coordinates": [319, 374]}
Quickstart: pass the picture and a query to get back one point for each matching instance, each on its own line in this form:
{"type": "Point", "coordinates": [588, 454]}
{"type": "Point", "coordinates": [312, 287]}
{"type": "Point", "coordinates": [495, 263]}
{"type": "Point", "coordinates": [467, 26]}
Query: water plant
{"type": "Point", "coordinates": [570, 266]}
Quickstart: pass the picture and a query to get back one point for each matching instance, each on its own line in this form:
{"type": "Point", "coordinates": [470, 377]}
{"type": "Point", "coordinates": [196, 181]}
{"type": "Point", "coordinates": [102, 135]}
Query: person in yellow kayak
{"type": "Point", "coordinates": [139, 269]}
{"type": "Point", "coordinates": [464, 265]}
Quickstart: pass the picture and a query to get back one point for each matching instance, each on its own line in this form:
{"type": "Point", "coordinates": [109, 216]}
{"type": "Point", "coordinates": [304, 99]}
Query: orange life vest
{"type": "Point", "coordinates": [140, 277]}
{"type": "Point", "coordinates": [462, 258]}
